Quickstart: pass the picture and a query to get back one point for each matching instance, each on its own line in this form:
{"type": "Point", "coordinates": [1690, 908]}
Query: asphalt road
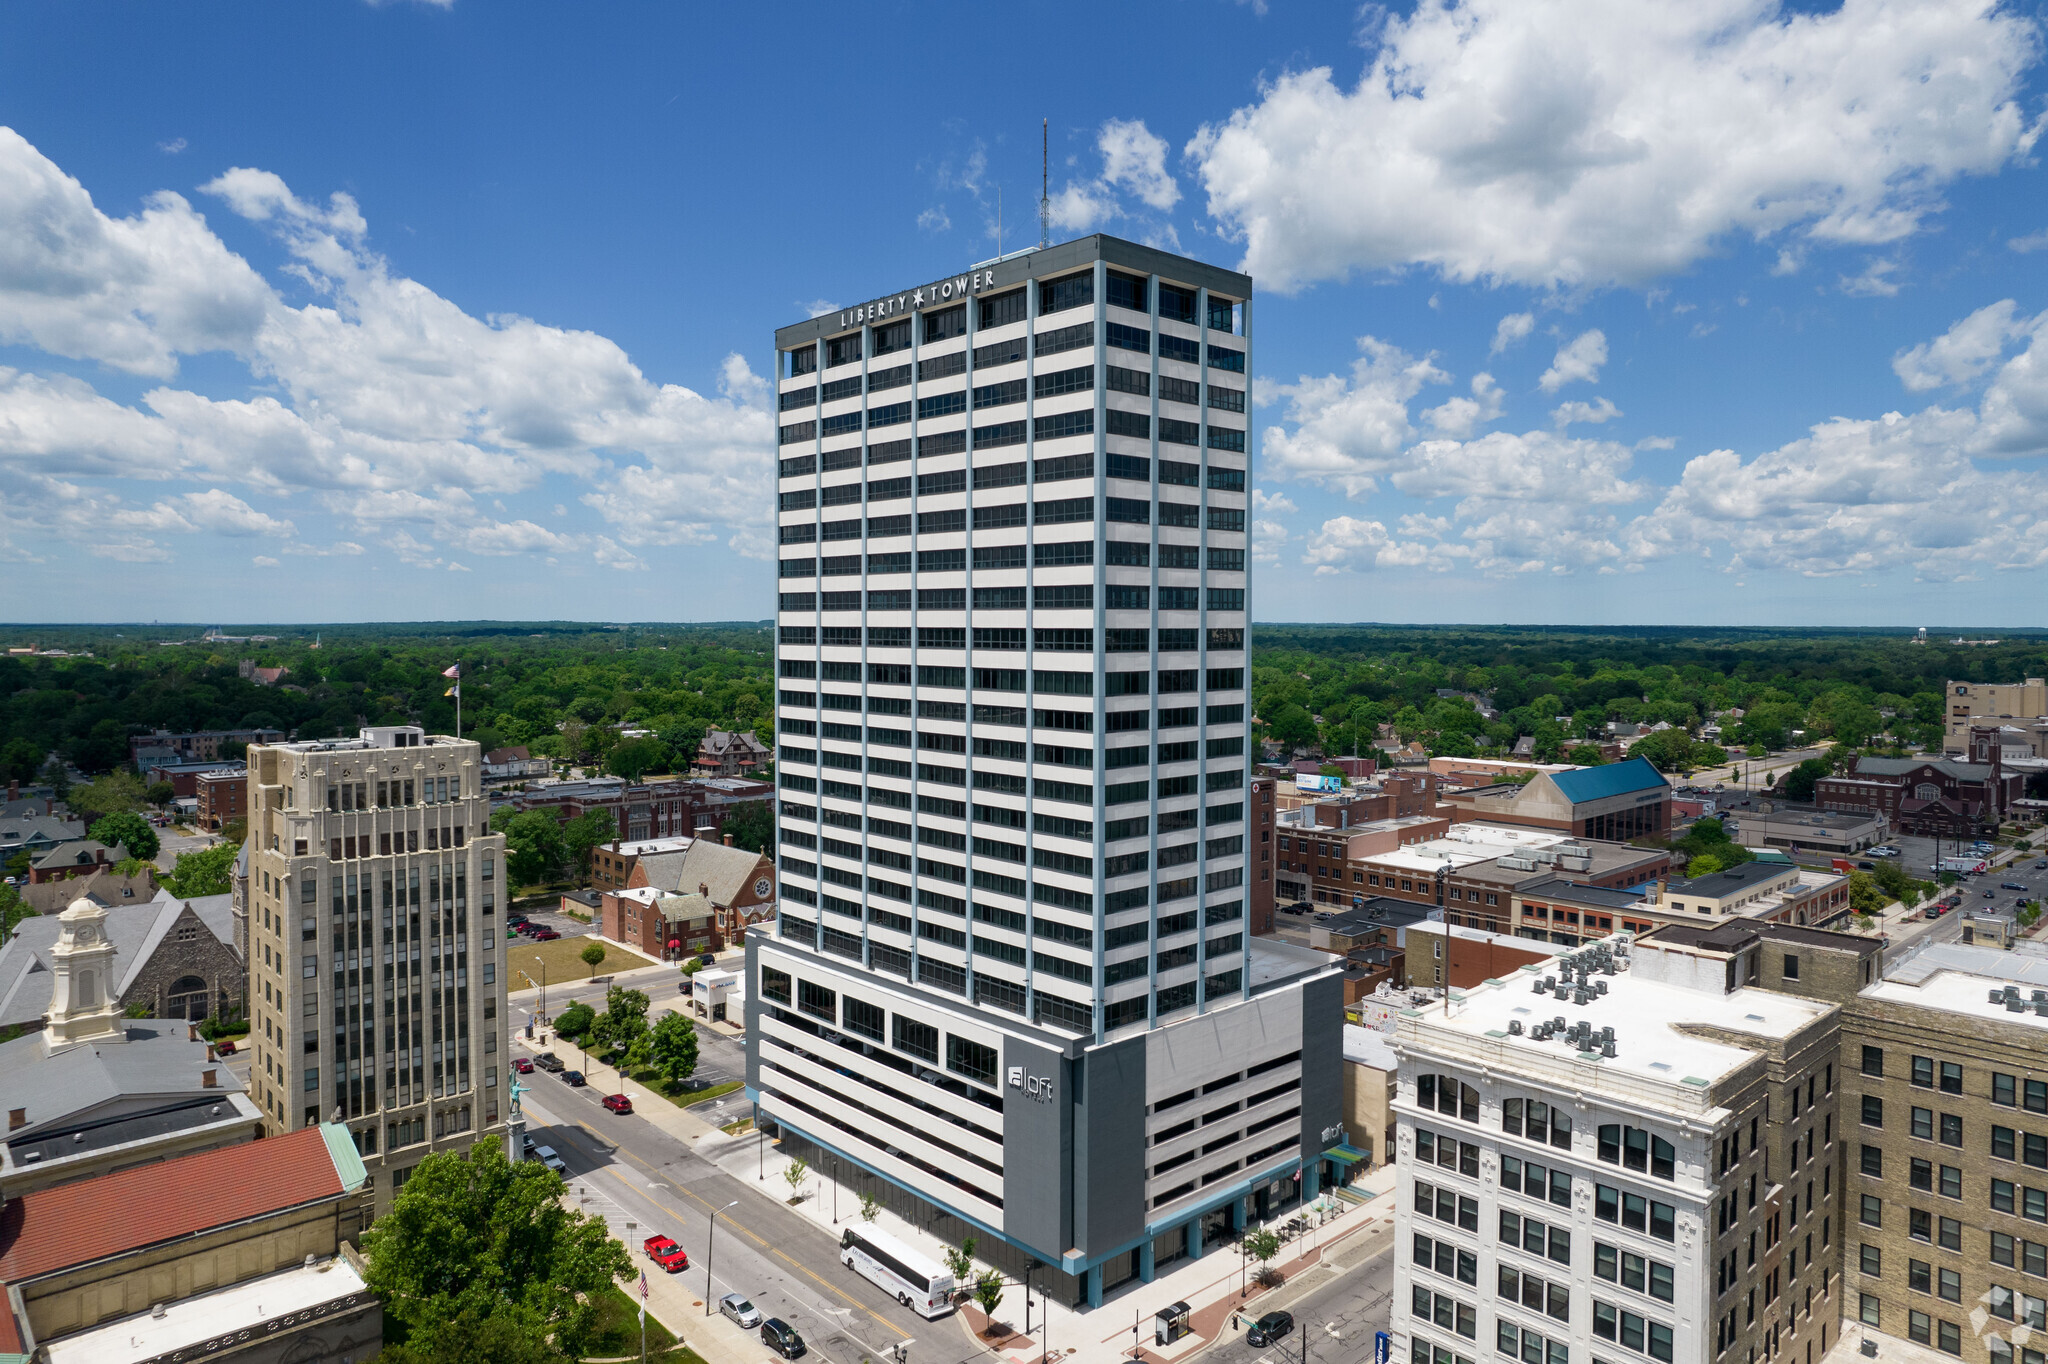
{"type": "Point", "coordinates": [626, 1169]}
{"type": "Point", "coordinates": [1335, 1319]}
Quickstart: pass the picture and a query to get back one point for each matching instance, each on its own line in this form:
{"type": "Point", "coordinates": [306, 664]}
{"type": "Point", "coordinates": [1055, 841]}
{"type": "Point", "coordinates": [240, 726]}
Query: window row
{"type": "Point", "coordinates": [1120, 640]}
{"type": "Point", "coordinates": [964, 1056]}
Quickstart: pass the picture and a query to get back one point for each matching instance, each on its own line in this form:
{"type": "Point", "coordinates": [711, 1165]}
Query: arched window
{"type": "Point", "coordinates": [1927, 790]}
{"type": "Point", "coordinates": [189, 999]}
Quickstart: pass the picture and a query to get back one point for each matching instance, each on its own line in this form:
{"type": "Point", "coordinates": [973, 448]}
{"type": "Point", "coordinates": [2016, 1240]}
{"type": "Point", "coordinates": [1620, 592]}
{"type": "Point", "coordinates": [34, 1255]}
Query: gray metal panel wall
{"type": "Point", "coordinates": [1322, 1062]}
{"type": "Point", "coordinates": [1109, 1147]}
{"type": "Point", "coordinates": [1038, 1151]}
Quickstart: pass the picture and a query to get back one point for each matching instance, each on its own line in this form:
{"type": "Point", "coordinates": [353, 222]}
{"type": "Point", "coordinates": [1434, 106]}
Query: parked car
{"type": "Point", "coordinates": [1268, 1329]}
{"type": "Point", "coordinates": [779, 1336]}
{"type": "Point", "coordinates": [546, 1156]}
{"type": "Point", "coordinates": [548, 1061]}
{"type": "Point", "coordinates": [735, 1308]}
{"type": "Point", "coordinates": [527, 1144]}
{"type": "Point", "coordinates": [546, 935]}
{"type": "Point", "coordinates": [617, 1103]}
{"type": "Point", "coordinates": [574, 1078]}
{"type": "Point", "coordinates": [667, 1254]}
{"type": "Point", "coordinates": [522, 1065]}
{"type": "Point", "coordinates": [706, 959]}
{"type": "Point", "coordinates": [1866, 866]}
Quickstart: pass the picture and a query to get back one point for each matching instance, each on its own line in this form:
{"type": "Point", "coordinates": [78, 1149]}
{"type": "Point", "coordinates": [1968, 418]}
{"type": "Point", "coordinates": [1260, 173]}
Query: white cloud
{"type": "Point", "coordinates": [376, 387]}
{"type": "Point", "coordinates": [2033, 241]}
{"type": "Point", "coordinates": [933, 219]}
{"type": "Point", "coordinates": [1133, 158]}
{"type": "Point", "coordinates": [172, 147]}
{"type": "Point", "coordinates": [264, 561]}
{"type": "Point", "coordinates": [1349, 431]}
{"type": "Point", "coordinates": [1275, 504]}
{"type": "Point", "coordinates": [1577, 360]}
{"type": "Point", "coordinates": [1460, 417]}
{"type": "Point", "coordinates": [1962, 352]}
{"type": "Point", "coordinates": [1876, 281]}
{"type": "Point", "coordinates": [1562, 143]}
{"type": "Point", "coordinates": [1576, 413]}
{"type": "Point", "coordinates": [1511, 329]}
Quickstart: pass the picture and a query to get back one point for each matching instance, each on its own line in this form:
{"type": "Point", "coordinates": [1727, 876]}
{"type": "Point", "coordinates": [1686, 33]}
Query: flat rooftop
{"type": "Point", "coordinates": [191, 1323]}
{"type": "Point", "coordinates": [1469, 843]}
{"type": "Point", "coordinates": [1274, 962]}
{"type": "Point", "coordinates": [1814, 819]}
{"type": "Point", "coordinates": [1648, 1018]}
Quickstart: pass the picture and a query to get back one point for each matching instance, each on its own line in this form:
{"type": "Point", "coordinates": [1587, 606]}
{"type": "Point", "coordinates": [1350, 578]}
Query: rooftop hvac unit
{"type": "Point", "coordinates": [1578, 862]}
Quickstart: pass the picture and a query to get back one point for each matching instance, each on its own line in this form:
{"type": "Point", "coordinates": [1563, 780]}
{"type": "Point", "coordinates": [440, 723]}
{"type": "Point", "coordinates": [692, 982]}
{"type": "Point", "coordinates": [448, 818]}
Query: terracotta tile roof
{"type": "Point", "coordinates": [90, 1219]}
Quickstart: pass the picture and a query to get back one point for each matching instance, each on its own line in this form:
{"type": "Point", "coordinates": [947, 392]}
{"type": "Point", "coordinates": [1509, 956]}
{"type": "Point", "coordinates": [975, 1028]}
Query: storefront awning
{"type": "Point", "coordinates": [1345, 1155]}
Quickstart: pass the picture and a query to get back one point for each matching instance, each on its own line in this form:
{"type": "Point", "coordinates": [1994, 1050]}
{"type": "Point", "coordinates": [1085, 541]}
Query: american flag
{"type": "Point", "coordinates": [643, 1285]}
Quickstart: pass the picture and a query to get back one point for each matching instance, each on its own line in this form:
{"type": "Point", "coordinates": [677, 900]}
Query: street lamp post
{"type": "Point", "coordinates": [709, 1242]}
{"type": "Point", "coordinates": [834, 1162]}
{"type": "Point", "coordinates": [543, 989]}
{"type": "Point", "coordinates": [1029, 1265]}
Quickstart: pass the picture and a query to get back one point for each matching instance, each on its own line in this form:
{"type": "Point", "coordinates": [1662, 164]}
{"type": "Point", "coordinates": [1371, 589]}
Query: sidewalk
{"type": "Point", "coordinates": [1209, 1285]}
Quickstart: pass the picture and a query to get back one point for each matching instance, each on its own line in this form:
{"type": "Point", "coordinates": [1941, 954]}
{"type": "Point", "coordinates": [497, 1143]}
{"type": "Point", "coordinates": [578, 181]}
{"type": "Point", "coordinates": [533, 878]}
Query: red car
{"type": "Point", "coordinates": [546, 935]}
{"type": "Point", "coordinates": [667, 1254]}
{"type": "Point", "coordinates": [225, 1047]}
{"type": "Point", "coordinates": [522, 1065]}
{"type": "Point", "coordinates": [618, 1103]}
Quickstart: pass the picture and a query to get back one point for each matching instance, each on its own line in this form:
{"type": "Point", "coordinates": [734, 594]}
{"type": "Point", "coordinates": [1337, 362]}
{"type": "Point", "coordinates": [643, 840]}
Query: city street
{"type": "Point", "coordinates": [1338, 1309]}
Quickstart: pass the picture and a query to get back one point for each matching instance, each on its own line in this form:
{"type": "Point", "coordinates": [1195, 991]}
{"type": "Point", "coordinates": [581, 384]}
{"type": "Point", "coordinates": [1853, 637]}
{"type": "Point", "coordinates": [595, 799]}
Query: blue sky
{"type": "Point", "coordinates": [1574, 311]}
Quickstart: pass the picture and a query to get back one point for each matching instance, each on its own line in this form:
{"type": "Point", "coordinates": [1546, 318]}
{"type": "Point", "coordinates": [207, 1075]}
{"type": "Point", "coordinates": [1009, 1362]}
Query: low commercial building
{"type": "Point", "coordinates": [611, 866]}
{"type": "Point", "coordinates": [1798, 827]}
{"type": "Point", "coordinates": [1451, 957]}
{"type": "Point", "coordinates": [238, 1253]}
{"type": "Point", "coordinates": [1378, 922]}
{"type": "Point", "coordinates": [1617, 802]}
{"type": "Point", "coordinates": [183, 776]}
{"type": "Point", "coordinates": [1370, 1067]}
{"type": "Point", "coordinates": [1563, 912]}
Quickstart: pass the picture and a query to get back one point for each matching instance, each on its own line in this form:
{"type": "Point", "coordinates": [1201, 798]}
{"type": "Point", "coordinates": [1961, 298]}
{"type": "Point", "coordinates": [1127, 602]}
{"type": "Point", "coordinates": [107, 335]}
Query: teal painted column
{"type": "Point", "coordinates": [1311, 1179]}
{"type": "Point", "coordinates": [1237, 1213]}
{"type": "Point", "coordinates": [1094, 1285]}
{"type": "Point", "coordinates": [1194, 1234]}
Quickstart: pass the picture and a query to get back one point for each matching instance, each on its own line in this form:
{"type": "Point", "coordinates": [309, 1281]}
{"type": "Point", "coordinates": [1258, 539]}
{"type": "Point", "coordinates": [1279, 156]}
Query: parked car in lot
{"type": "Point", "coordinates": [522, 1065]}
{"type": "Point", "coordinates": [667, 1254]}
{"type": "Point", "coordinates": [779, 1336]}
{"type": "Point", "coordinates": [546, 935]}
{"type": "Point", "coordinates": [574, 1078]}
{"type": "Point", "coordinates": [617, 1103]}
{"type": "Point", "coordinates": [548, 1061]}
{"type": "Point", "coordinates": [735, 1308]}
{"type": "Point", "coordinates": [546, 1156]}
{"type": "Point", "coordinates": [1268, 1329]}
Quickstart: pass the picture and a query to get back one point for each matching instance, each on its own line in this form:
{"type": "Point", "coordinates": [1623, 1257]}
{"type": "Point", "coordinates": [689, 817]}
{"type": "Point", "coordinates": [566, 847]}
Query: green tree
{"type": "Point", "coordinates": [209, 871]}
{"type": "Point", "coordinates": [1864, 895]}
{"type": "Point", "coordinates": [960, 1261]}
{"type": "Point", "coordinates": [575, 1021]}
{"type": "Point", "coordinates": [988, 1293]}
{"type": "Point", "coordinates": [474, 1235]}
{"type": "Point", "coordinates": [870, 1207]}
{"type": "Point", "coordinates": [635, 758]}
{"type": "Point", "coordinates": [57, 777]}
{"type": "Point", "coordinates": [12, 911]}
{"type": "Point", "coordinates": [1798, 784]}
{"type": "Point", "coordinates": [160, 793]}
{"type": "Point", "coordinates": [794, 1174]}
{"type": "Point", "coordinates": [127, 830]}
{"type": "Point", "coordinates": [673, 1048]}
{"type": "Point", "coordinates": [511, 1336]}
{"type": "Point", "coordinates": [533, 844]}
{"type": "Point", "coordinates": [622, 1027]}
{"type": "Point", "coordinates": [118, 792]}
{"type": "Point", "coordinates": [752, 826]}
{"type": "Point", "coordinates": [584, 834]}
{"type": "Point", "coordinates": [1585, 755]}
{"type": "Point", "coordinates": [1260, 1246]}
{"type": "Point", "coordinates": [592, 956]}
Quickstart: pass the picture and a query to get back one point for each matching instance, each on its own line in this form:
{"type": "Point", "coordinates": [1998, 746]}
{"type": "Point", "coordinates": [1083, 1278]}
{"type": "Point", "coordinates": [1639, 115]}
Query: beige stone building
{"type": "Point", "coordinates": [1986, 703]}
{"type": "Point", "coordinates": [377, 993]}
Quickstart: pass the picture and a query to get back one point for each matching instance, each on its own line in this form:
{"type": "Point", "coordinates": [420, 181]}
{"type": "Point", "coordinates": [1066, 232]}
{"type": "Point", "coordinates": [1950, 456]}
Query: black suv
{"type": "Point", "coordinates": [779, 1336]}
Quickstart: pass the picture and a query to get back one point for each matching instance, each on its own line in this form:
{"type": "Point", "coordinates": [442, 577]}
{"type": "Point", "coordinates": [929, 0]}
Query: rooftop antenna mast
{"type": "Point", "coordinates": [1044, 183]}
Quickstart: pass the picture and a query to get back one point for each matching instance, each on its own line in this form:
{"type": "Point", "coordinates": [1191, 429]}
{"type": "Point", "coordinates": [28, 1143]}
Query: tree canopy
{"type": "Point", "coordinates": [477, 1245]}
{"type": "Point", "coordinates": [127, 830]}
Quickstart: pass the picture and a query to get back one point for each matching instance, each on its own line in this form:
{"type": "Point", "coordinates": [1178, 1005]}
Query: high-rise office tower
{"type": "Point", "coordinates": [377, 980]}
{"type": "Point", "coordinates": [1011, 975]}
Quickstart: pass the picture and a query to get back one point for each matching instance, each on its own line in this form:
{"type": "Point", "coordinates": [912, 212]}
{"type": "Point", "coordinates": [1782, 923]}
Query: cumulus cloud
{"type": "Point", "coordinates": [374, 389]}
{"type": "Point", "coordinates": [1578, 360]}
{"type": "Point", "coordinates": [1511, 329]}
{"type": "Point", "coordinates": [1591, 414]}
{"type": "Point", "coordinates": [1460, 417]}
{"type": "Point", "coordinates": [1349, 430]}
{"type": "Point", "coordinates": [1568, 143]}
{"type": "Point", "coordinates": [1962, 352]}
{"type": "Point", "coordinates": [1134, 163]}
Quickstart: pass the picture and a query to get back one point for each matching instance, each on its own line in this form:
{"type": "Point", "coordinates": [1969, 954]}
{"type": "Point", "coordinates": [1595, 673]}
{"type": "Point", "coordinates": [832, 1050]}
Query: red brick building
{"type": "Point", "coordinates": [659, 924]}
{"type": "Point", "coordinates": [739, 885]}
{"type": "Point", "coordinates": [1944, 798]}
{"type": "Point", "coordinates": [222, 796]}
{"type": "Point", "coordinates": [1259, 902]}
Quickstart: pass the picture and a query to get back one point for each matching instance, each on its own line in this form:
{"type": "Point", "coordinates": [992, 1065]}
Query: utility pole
{"type": "Point", "coordinates": [709, 1242]}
